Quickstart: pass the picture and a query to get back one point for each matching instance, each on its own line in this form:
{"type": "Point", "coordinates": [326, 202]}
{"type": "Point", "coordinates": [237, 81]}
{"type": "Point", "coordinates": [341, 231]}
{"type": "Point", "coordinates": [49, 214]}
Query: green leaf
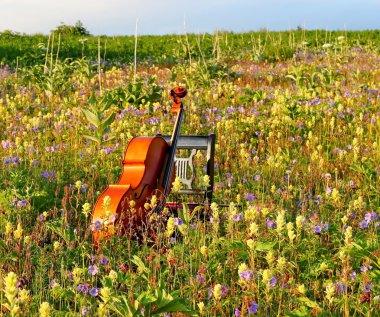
{"type": "Point", "coordinates": [308, 302]}
{"type": "Point", "coordinates": [93, 138]}
{"type": "Point", "coordinates": [91, 117]}
{"type": "Point", "coordinates": [264, 246]}
{"type": "Point", "coordinates": [107, 122]}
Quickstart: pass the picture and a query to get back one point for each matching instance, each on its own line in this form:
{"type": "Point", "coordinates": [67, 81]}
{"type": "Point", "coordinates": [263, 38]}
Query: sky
{"type": "Point", "coordinates": [120, 17]}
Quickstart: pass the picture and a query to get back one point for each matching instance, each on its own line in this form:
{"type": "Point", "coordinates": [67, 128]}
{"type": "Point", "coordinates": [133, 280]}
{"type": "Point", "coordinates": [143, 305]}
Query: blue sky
{"type": "Point", "coordinates": [118, 17]}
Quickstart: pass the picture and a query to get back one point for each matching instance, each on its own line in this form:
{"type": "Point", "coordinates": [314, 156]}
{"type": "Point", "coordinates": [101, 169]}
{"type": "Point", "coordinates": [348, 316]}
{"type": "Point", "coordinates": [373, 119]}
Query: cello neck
{"type": "Point", "coordinates": [176, 94]}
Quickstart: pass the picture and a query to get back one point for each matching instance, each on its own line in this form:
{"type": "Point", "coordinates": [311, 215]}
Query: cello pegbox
{"type": "Point", "coordinates": [175, 95]}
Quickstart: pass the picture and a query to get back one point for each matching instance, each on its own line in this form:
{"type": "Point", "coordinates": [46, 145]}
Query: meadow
{"type": "Point", "coordinates": [297, 162]}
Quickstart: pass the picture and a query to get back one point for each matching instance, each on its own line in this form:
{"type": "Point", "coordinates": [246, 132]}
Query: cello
{"type": "Point", "coordinates": [146, 170]}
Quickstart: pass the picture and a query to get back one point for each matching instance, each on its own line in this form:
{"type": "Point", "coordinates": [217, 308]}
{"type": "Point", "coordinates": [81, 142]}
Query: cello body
{"type": "Point", "coordinates": [146, 170]}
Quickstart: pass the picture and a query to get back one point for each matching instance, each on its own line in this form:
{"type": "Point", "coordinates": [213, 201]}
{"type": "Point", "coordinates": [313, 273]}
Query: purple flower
{"type": "Point", "coordinates": [367, 288]}
{"type": "Point", "coordinates": [200, 278]}
{"type": "Point", "coordinates": [224, 290]}
{"type": "Point", "coordinates": [237, 217]}
{"type": "Point", "coordinates": [103, 260]}
{"type": "Point", "coordinates": [21, 203]}
{"type": "Point", "coordinates": [178, 221]}
{"type": "Point", "coordinates": [325, 227]}
{"type": "Point", "coordinates": [363, 224]}
{"type": "Point", "coordinates": [237, 312]}
{"type": "Point", "coordinates": [353, 276]}
{"type": "Point", "coordinates": [94, 291]}
{"type": "Point", "coordinates": [93, 270]}
{"type": "Point", "coordinates": [317, 229]}
{"type": "Point", "coordinates": [82, 288]}
{"type": "Point", "coordinates": [271, 224]}
{"type": "Point", "coordinates": [273, 281]}
{"type": "Point", "coordinates": [371, 216]}
{"type": "Point", "coordinates": [96, 225]}
{"type": "Point", "coordinates": [247, 275]}
{"type": "Point", "coordinates": [340, 287]}
{"type": "Point", "coordinates": [253, 308]}
{"type": "Point", "coordinates": [250, 197]}
{"type": "Point", "coordinates": [85, 311]}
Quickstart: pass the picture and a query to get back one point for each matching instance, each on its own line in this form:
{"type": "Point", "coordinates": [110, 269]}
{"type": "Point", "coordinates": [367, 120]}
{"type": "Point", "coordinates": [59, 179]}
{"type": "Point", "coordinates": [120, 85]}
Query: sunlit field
{"type": "Point", "coordinates": [293, 229]}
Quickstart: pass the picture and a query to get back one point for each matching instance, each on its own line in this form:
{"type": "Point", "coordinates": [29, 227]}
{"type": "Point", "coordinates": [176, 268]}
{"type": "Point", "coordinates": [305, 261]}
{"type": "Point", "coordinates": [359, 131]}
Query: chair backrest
{"type": "Point", "coordinates": [185, 169]}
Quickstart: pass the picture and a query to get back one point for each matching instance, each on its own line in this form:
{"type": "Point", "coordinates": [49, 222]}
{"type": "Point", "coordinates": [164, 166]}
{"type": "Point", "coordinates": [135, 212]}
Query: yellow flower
{"type": "Point", "coordinates": [10, 288]}
{"type": "Point", "coordinates": [302, 289]}
{"type": "Point", "coordinates": [217, 292]}
{"type": "Point", "coordinates": [112, 275]}
{"type": "Point", "coordinates": [106, 202]}
{"type": "Point", "coordinates": [86, 209]}
{"type": "Point", "coordinates": [176, 185]}
{"type": "Point", "coordinates": [251, 244]}
{"type": "Point", "coordinates": [18, 232]}
{"type": "Point", "coordinates": [45, 309]}
{"type": "Point", "coordinates": [56, 245]}
{"type": "Point", "coordinates": [78, 184]}
{"type": "Point", "coordinates": [105, 293]}
{"type": "Point", "coordinates": [170, 227]}
{"type": "Point", "coordinates": [204, 251]}
{"type": "Point", "coordinates": [201, 307]}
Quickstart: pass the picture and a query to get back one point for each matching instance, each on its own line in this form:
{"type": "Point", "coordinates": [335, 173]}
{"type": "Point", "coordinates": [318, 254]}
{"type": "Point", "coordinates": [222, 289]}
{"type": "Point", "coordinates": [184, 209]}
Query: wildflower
{"type": "Point", "coordinates": [273, 281]}
{"type": "Point", "coordinates": [200, 278]}
{"type": "Point", "coordinates": [302, 289]}
{"type": "Point", "coordinates": [201, 307]}
{"type": "Point", "coordinates": [237, 217]}
{"type": "Point", "coordinates": [96, 225]}
{"type": "Point", "coordinates": [44, 309]}
{"type": "Point", "coordinates": [251, 244]}
{"type": "Point", "coordinates": [317, 229]}
{"type": "Point", "coordinates": [82, 288]}
{"type": "Point", "coordinates": [18, 232]}
{"type": "Point", "coordinates": [177, 184]}
{"type": "Point", "coordinates": [94, 291]}
{"type": "Point", "coordinates": [271, 224]}
{"type": "Point", "coordinates": [112, 275]}
{"type": "Point", "coordinates": [323, 266]}
{"type": "Point", "coordinates": [106, 202]}
{"type": "Point", "coordinates": [170, 227]}
{"type": "Point", "coordinates": [253, 308]}
{"type": "Point", "coordinates": [281, 262]}
{"type": "Point", "coordinates": [340, 287]}
{"type": "Point", "coordinates": [371, 216]}
{"type": "Point", "coordinates": [10, 288]}
{"type": "Point", "coordinates": [250, 197]}
{"type": "Point", "coordinates": [253, 229]}
{"type": "Point", "coordinates": [24, 296]}
{"type": "Point", "coordinates": [103, 260]}
{"type": "Point", "coordinates": [86, 209]}
{"type": "Point", "coordinates": [237, 312]}
{"type": "Point", "coordinates": [85, 311]}
{"type": "Point", "coordinates": [206, 181]}
{"type": "Point", "coordinates": [291, 235]}
{"type": "Point", "coordinates": [78, 184]}
{"type": "Point", "coordinates": [204, 250]}
{"type": "Point", "coordinates": [280, 221]}
{"type": "Point", "coordinates": [348, 235]}
{"type": "Point", "coordinates": [21, 203]}
{"type": "Point", "coordinates": [93, 270]}
{"type": "Point", "coordinates": [178, 221]}
{"type": "Point", "coordinates": [217, 292]}
{"type": "Point", "coordinates": [56, 245]}
{"type": "Point", "coordinates": [363, 224]}
{"type": "Point", "coordinates": [105, 293]}
{"type": "Point", "coordinates": [330, 291]}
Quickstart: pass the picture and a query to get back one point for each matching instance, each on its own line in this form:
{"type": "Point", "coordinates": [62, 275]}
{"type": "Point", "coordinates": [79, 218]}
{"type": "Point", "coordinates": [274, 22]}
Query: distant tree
{"type": "Point", "coordinates": [77, 29]}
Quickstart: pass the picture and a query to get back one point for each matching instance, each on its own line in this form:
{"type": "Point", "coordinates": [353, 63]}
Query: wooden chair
{"type": "Point", "coordinates": [186, 170]}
